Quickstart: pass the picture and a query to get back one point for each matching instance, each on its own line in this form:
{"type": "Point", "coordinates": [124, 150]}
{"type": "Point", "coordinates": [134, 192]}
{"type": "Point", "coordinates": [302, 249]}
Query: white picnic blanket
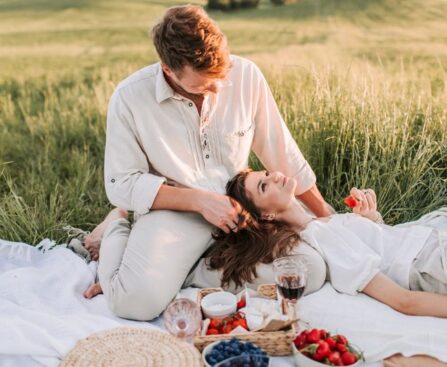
{"type": "Point", "coordinates": [43, 313]}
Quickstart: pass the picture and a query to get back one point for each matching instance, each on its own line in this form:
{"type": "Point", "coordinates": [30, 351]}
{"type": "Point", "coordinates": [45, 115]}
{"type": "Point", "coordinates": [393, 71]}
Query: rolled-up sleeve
{"type": "Point", "coordinates": [128, 182]}
{"type": "Point", "coordinates": [273, 143]}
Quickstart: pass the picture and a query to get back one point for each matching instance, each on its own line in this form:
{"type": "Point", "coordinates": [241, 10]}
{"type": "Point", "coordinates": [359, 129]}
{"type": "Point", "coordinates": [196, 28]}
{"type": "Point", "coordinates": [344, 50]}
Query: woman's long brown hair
{"type": "Point", "coordinates": [257, 240]}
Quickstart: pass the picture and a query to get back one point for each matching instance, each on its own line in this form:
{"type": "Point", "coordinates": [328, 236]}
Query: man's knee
{"type": "Point", "coordinates": [142, 302]}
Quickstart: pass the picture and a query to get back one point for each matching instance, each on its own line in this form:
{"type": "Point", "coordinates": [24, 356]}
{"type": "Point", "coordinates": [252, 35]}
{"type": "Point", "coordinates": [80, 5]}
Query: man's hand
{"type": "Point", "coordinates": [219, 210]}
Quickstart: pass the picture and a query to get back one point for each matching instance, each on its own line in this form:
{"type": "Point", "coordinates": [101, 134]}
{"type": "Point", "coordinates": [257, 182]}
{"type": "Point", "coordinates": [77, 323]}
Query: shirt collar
{"type": "Point", "coordinates": [163, 90]}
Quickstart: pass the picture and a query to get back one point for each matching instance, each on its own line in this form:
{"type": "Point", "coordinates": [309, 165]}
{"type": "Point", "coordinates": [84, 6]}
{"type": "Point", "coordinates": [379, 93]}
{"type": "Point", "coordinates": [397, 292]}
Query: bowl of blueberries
{"type": "Point", "coordinates": [234, 353]}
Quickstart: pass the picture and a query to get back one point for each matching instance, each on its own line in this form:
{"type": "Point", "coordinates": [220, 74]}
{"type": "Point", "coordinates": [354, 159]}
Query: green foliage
{"type": "Point", "coordinates": [362, 86]}
{"type": "Point", "coordinates": [220, 4]}
{"type": "Point", "coordinates": [232, 4]}
{"type": "Point", "coordinates": [282, 2]}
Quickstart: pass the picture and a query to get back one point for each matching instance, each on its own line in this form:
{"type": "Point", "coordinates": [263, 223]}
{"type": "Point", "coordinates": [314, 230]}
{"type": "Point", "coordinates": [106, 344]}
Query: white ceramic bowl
{"type": "Point", "coordinates": [218, 305]}
{"type": "Point", "coordinates": [302, 361]}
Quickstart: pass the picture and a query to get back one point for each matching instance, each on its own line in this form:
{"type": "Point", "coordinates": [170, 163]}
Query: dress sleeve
{"type": "Point", "coordinates": [273, 144]}
{"type": "Point", "coordinates": [128, 183]}
{"type": "Point", "coordinates": [351, 263]}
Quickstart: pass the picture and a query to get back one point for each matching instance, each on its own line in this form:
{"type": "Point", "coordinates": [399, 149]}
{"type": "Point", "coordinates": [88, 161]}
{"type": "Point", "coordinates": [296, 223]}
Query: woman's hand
{"type": "Point", "coordinates": [366, 204]}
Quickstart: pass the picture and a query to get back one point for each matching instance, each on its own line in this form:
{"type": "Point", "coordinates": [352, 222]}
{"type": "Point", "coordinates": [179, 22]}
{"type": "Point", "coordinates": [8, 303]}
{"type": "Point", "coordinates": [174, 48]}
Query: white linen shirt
{"type": "Point", "coordinates": [355, 249]}
{"type": "Point", "coordinates": [157, 136]}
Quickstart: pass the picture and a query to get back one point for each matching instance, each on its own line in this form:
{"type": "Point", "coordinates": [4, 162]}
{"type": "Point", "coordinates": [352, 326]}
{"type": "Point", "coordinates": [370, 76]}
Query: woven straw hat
{"type": "Point", "coordinates": [126, 346]}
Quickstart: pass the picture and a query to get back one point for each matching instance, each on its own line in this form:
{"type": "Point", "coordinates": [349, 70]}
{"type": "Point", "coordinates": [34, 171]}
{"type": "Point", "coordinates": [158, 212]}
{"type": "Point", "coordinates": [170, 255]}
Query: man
{"type": "Point", "coordinates": [176, 132]}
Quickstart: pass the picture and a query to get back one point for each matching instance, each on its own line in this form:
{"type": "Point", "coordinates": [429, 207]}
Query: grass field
{"type": "Point", "coordinates": [361, 84]}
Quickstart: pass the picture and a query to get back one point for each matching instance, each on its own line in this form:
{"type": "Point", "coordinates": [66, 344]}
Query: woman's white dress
{"type": "Point", "coordinates": [355, 249]}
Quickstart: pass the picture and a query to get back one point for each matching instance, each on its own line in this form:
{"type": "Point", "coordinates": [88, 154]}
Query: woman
{"type": "Point", "coordinates": [402, 266]}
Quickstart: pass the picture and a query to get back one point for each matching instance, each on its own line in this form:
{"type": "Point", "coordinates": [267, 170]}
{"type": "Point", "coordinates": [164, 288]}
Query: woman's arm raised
{"type": "Point", "coordinates": [403, 300]}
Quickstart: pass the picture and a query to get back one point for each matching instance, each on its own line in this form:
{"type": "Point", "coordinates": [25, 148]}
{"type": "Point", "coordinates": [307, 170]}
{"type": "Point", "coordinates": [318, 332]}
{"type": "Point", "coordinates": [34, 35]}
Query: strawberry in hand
{"type": "Point", "coordinates": [350, 201]}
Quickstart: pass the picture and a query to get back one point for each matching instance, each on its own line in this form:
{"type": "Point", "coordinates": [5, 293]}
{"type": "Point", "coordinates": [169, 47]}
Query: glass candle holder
{"type": "Point", "coordinates": [182, 318]}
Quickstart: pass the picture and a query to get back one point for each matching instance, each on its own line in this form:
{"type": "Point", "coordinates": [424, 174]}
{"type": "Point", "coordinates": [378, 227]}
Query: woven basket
{"type": "Point", "coordinates": [275, 343]}
{"type": "Point", "coordinates": [127, 346]}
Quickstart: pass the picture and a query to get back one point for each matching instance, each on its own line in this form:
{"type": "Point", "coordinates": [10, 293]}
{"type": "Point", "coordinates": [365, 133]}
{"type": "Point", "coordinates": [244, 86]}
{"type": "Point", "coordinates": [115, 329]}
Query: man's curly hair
{"type": "Point", "coordinates": [188, 36]}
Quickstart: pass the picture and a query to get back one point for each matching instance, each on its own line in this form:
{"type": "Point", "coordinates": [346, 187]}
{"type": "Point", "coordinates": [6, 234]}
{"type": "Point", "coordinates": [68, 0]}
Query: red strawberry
{"type": "Point", "coordinates": [348, 358]}
{"type": "Point", "coordinates": [212, 331]}
{"type": "Point", "coordinates": [331, 342]}
{"type": "Point", "coordinates": [227, 329]}
{"type": "Point", "coordinates": [241, 322]}
{"type": "Point", "coordinates": [313, 336]}
{"type": "Point", "coordinates": [241, 303]}
{"type": "Point", "coordinates": [323, 334]}
{"type": "Point", "coordinates": [214, 323]}
{"type": "Point", "coordinates": [322, 351]}
{"type": "Point", "coordinates": [341, 347]}
{"type": "Point", "coordinates": [305, 332]}
{"type": "Point", "coordinates": [334, 358]}
{"type": "Point", "coordinates": [300, 340]}
{"type": "Point", "coordinates": [341, 339]}
{"type": "Point", "coordinates": [350, 201]}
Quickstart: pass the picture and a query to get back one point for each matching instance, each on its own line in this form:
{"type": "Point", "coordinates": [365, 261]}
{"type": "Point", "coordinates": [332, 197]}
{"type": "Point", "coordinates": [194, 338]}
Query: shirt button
{"type": "Point", "coordinates": [190, 104]}
{"type": "Point", "coordinates": [112, 180]}
{"type": "Point", "coordinates": [207, 156]}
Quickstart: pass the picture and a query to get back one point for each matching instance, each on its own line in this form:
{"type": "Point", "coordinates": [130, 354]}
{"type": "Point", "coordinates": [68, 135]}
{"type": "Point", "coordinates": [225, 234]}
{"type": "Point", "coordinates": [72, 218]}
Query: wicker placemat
{"type": "Point", "coordinates": [126, 346]}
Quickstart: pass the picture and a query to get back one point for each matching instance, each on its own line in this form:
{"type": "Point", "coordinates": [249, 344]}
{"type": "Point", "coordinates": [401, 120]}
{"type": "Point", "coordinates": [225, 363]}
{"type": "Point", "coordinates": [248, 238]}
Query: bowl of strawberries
{"type": "Point", "coordinates": [317, 347]}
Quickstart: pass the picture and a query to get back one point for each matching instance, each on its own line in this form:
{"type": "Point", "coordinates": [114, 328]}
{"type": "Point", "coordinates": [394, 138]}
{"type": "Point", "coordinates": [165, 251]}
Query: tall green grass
{"type": "Point", "coordinates": [361, 85]}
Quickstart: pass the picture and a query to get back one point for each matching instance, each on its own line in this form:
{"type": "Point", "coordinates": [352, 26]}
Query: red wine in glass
{"type": "Point", "coordinates": [290, 278]}
{"type": "Point", "coordinates": [290, 287]}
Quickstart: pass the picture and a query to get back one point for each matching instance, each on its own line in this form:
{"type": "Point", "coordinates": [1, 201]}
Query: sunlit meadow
{"type": "Point", "coordinates": [361, 84]}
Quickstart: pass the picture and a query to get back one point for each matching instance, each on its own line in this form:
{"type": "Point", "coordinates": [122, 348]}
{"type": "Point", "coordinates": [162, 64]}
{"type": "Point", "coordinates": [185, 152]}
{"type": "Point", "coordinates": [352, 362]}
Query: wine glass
{"type": "Point", "coordinates": [182, 318]}
{"type": "Point", "coordinates": [290, 278]}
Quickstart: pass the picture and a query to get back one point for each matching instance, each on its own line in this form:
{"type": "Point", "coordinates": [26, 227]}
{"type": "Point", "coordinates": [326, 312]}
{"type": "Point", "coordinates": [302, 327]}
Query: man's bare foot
{"type": "Point", "coordinates": [93, 291]}
{"type": "Point", "coordinates": [93, 240]}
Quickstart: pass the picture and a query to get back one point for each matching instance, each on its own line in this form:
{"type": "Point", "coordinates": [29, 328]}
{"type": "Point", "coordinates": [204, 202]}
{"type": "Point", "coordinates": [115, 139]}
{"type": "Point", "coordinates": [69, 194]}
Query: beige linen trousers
{"type": "Point", "coordinates": [140, 280]}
